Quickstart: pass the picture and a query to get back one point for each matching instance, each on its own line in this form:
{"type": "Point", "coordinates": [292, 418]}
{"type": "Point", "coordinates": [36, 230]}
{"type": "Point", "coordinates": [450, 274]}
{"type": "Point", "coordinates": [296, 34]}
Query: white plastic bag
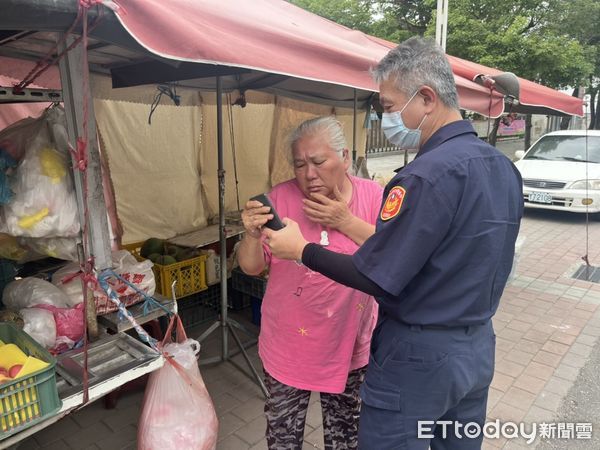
{"type": "Point", "coordinates": [177, 411]}
{"type": "Point", "coordinates": [68, 280]}
{"type": "Point", "coordinates": [28, 292]}
{"type": "Point", "coordinates": [15, 138]}
{"type": "Point", "coordinates": [55, 247]}
{"type": "Point", "coordinates": [40, 325]}
{"type": "Point", "coordinates": [44, 203]}
{"type": "Point", "coordinates": [518, 247]}
{"type": "Point", "coordinates": [125, 265]}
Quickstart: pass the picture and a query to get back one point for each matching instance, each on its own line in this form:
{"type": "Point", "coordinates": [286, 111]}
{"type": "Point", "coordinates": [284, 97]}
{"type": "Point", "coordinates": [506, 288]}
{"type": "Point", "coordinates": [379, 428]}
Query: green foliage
{"type": "Point", "coordinates": [356, 14]}
{"type": "Point", "coordinates": [554, 42]}
{"type": "Point", "coordinates": [513, 35]}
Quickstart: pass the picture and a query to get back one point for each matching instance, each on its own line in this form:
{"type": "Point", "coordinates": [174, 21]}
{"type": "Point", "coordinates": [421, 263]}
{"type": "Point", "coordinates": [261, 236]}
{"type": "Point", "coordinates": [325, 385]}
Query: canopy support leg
{"type": "Point", "coordinates": [225, 323]}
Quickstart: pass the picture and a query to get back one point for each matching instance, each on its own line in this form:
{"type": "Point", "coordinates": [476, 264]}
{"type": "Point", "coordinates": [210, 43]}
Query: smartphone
{"type": "Point", "coordinates": [275, 223]}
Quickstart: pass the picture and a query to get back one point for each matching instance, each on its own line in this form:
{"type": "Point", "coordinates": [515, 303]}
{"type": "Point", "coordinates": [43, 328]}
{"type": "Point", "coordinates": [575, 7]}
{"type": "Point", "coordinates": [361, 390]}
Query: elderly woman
{"type": "Point", "coordinates": [315, 333]}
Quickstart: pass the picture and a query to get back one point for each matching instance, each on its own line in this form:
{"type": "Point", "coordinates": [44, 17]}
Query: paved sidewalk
{"type": "Point", "coordinates": [546, 327]}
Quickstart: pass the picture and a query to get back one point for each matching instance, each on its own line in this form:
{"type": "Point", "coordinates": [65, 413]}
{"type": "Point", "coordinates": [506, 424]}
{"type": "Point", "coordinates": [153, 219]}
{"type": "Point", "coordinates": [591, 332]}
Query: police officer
{"type": "Point", "coordinates": [437, 263]}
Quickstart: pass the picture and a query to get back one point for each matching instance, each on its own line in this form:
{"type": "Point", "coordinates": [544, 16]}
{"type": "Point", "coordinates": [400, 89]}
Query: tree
{"type": "Point", "coordinates": [581, 19]}
{"type": "Point", "coordinates": [517, 36]}
{"type": "Point", "coordinates": [355, 14]}
{"type": "Point", "coordinates": [540, 40]}
{"type": "Point", "coordinates": [513, 36]}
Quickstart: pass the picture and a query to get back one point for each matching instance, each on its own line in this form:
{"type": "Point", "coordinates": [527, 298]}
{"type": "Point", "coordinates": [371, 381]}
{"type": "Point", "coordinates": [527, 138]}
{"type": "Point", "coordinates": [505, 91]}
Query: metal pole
{"type": "Point", "coordinates": [354, 129]}
{"type": "Point", "coordinates": [71, 74]}
{"type": "Point", "coordinates": [441, 23]}
{"type": "Point", "coordinates": [222, 232]}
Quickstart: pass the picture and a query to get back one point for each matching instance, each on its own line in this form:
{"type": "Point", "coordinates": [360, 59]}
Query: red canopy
{"type": "Point", "coordinates": [532, 97]}
{"type": "Point", "coordinates": [273, 37]}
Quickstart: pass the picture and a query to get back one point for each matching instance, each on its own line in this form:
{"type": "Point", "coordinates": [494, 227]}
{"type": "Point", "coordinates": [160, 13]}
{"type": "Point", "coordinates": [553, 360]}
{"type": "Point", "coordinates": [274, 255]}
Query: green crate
{"type": "Point", "coordinates": [27, 401]}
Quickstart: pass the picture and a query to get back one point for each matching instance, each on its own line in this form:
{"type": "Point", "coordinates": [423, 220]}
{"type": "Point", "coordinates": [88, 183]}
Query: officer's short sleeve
{"type": "Point", "coordinates": [413, 221]}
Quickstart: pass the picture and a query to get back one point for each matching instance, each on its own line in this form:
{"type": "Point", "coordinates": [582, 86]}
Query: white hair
{"type": "Point", "coordinates": [417, 62]}
{"type": "Point", "coordinates": [328, 127]}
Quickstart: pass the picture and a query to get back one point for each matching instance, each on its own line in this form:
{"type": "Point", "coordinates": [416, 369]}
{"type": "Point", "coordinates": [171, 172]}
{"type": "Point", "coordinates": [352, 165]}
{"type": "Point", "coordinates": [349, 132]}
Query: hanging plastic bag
{"type": "Point", "coordinates": [40, 325]}
{"type": "Point", "coordinates": [29, 292]}
{"type": "Point", "coordinates": [55, 247]}
{"type": "Point", "coordinates": [44, 203]}
{"type": "Point", "coordinates": [16, 138]}
{"type": "Point", "coordinates": [11, 249]}
{"type": "Point", "coordinates": [177, 411]}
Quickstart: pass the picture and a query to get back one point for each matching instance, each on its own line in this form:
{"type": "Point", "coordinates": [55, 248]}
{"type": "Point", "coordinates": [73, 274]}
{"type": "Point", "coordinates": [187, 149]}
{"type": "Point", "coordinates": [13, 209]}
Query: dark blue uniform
{"type": "Point", "coordinates": [443, 251]}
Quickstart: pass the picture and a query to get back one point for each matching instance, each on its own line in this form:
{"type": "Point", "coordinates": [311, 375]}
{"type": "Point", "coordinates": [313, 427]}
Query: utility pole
{"type": "Point", "coordinates": [441, 23]}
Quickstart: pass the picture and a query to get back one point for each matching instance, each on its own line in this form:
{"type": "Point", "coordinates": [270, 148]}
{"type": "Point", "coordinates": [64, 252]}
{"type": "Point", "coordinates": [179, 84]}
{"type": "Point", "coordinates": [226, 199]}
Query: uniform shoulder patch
{"type": "Point", "coordinates": [393, 203]}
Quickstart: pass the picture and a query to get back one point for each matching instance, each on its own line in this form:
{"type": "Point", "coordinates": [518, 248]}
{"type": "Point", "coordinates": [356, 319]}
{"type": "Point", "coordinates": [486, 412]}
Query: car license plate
{"type": "Point", "coordinates": [540, 197]}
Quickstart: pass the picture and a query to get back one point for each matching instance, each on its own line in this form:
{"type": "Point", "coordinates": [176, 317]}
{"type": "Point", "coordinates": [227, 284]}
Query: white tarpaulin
{"type": "Point", "coordinates": [165, 174]}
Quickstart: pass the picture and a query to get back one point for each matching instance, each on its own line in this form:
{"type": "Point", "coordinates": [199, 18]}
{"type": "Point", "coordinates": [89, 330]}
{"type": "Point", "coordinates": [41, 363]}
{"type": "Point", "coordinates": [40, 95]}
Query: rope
{"type": "Point", "coordinates": [232, 135]}
{"type": "Point", "coordinates": [148, 300]}
{"type": "Point", "coordinates": [48, 60]}
{"type": "Point", "coordinates": [113, 297]}
{"type": "Point", "coordinates": [169, 91]}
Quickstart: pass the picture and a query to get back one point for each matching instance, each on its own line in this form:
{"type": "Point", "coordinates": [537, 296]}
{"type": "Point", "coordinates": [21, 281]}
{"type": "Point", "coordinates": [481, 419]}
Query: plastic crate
{"type": "Point", "coordinates": [25, 402]}
{"type": "Point", "coordinates": [200, 308]}
{"type": "Point", "coordinates": [237, 300]}
{"type": "Point", "coordinates": [190, 274]}
{"type": "Point", "coordinates": [247, 284]}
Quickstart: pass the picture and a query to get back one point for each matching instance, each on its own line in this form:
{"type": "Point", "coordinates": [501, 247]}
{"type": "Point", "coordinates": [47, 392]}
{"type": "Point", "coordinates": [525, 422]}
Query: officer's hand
{"type": "Point", "coordinates": [287, 243]}
{"type": "Point", "coordinates": [328, 212]}
{"type": "Point", "coordinates": [254, 216]}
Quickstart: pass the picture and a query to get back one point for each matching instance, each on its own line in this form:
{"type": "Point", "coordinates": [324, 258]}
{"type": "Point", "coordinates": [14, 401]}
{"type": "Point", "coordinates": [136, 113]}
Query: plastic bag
{"type": "Point", "coordinates": [55, 247]}
{"type": "Point", "coordinates": [40, 325]}
{"type": "Point", "coordinates": [30, 292]}
{"type": "Point", "coordinates": [11, 249]}
{"type": "Point", "coordinates": [68, 280]}
{"type": "Point", "coordinates": [125, 265]}
{"type": "Point", "coordinates": [518, 246]}
{"type": "Point", "coordinates": [69, 321]}
{"type": "Point", "coordinates": [137, 273]}
{"type": "Point", "coordinates": [16, 138]}
{"type": "Point", "coordinates": [177, 411]}
{"type": "Point", "coordinates": [44, 202]}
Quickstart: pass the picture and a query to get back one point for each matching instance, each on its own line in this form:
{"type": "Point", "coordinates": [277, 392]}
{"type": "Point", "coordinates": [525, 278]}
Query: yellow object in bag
{"type": "Point", "coordinates": [53, 164]}
{"type": "Point", "coordinates": [32, 220]}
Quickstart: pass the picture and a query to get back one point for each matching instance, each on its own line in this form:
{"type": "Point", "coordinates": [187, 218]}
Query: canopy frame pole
{"type": "Point", "coordinates": [98, 245]}
{"type": "Point", "coordinates": [354, 127]}
{"type": "Point", "coordinates": [225, 323]}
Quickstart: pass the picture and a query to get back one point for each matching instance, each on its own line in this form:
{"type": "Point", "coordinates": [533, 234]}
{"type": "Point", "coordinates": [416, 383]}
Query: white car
{"type": "Point", "coordinates": [561, 171]}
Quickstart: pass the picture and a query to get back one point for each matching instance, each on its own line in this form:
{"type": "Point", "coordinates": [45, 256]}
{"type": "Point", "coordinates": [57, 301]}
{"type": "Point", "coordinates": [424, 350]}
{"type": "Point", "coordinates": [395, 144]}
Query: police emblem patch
{"type": "Point", "coordinates": [393, 203]}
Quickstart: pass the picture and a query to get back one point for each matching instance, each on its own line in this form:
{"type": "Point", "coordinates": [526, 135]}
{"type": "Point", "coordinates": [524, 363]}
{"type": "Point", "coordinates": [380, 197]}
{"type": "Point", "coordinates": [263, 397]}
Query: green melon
{"type": "Point", "coordinates": [154, 257]}
{"type": "Point", "coordinates": [152, 245]}
{"type": "Point", "coordinates": [172, 250]}
{"type": "Point", "coordinates": [165, 260]}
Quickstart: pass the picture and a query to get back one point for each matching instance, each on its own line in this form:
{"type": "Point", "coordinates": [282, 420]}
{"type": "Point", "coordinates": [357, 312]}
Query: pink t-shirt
{"type": "Point", "coordinates": [314, 330]}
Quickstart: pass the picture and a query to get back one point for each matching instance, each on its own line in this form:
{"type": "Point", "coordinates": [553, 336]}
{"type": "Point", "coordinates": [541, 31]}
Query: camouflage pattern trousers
{"type": "Point", "coordinates": [286, 409]}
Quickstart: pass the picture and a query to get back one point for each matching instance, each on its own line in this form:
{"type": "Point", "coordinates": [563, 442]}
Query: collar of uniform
{"type": "Point", "coordinates": [446, 132]}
